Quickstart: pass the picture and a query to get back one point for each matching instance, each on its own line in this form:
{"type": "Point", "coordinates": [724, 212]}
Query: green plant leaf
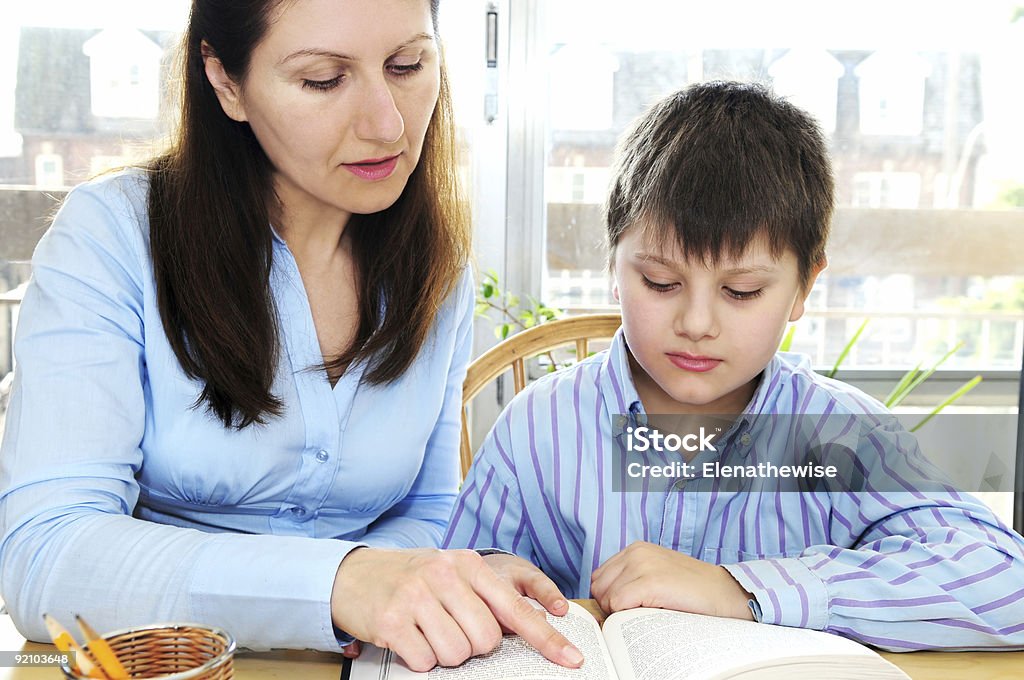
{"type": "Point", "coordinates": [487, 290]}
{"type": "Point", "coordinates": [787, 341]}
{"type": "Point", "coordinates": [847, 348]}
{"type": "Point", "coordinates": [896, 394]}
{"type": "Point", "coordinates": [964, 389]}
{"type": "Point", "coordinates": [512, 300]}
{"type": "Point", "coordinates": [506, 328]}
{"type": "Point", "coordinates": [927, 374]}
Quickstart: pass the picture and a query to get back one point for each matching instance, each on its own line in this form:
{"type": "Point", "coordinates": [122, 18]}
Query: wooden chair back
{"type": "Point", "coordinates": [515, 351]}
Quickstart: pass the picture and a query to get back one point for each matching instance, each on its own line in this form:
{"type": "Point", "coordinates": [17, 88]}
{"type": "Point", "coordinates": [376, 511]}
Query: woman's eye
{"type": "Point", "coordinates": [405, 69]}
{"type": "Point", "coordinates": [743, 294]}
{"type": "Point", "coordinates": [658, 287]}
{"type": "Point", "coordinates": [323, 85]}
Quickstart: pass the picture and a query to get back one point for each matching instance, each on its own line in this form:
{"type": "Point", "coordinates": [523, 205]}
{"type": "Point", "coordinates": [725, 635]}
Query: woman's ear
{"type": "Point", "coordinates": [228, 91]}
{"type": "Point", "coordinates": [801, 298]}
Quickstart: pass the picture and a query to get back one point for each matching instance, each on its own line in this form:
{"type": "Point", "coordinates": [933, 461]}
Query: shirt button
{"type": "Point", "coordinates": [679, 484]}
{"type": "Point", "coordinates": [745, 439]}
{"type": "Point", "coordinates": [322, 456]}
{"type": "Point", "coordinates": [298, 512]}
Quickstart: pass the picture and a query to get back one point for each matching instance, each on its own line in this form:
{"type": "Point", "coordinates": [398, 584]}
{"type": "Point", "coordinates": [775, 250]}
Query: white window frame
{"type": "Point", "coordinates": [524, 236]}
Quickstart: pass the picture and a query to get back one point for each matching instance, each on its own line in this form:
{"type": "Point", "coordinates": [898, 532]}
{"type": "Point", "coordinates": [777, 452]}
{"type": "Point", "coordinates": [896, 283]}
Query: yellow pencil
{"type": "Point", "coordinates": [105, 656]}
{"type": "Point", "coordinates": [62, 639]}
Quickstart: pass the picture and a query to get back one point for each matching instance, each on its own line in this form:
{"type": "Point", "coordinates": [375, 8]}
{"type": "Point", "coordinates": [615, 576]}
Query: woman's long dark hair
{"type": "Point", "coordinates": [210, 201]}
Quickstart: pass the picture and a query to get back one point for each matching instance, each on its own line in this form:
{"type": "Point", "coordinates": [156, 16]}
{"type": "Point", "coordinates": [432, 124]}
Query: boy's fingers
{"type": "Point", "coordinates": [623, 595]}
{"type": "Point", "coordinates": [352, 650]}
{"type": "Point", "coordinates": [607, 574]}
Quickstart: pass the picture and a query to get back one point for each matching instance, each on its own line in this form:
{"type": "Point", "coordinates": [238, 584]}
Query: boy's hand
{"type": "Point", "coordinates": [528, 580]}
{"type": "Point", "coordinates": [648, 575]}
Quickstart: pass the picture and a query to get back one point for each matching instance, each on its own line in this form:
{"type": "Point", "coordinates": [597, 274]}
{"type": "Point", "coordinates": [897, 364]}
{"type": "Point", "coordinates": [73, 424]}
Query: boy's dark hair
{"type": "Point", "coordinates": [725, 163]}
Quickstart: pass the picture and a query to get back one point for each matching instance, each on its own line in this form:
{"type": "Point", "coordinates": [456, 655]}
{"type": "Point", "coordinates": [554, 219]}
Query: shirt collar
{"type": "Point", "coordinates": [621, 397]}
{"type": "Point", "coordinates": [277, 237]}
{"type": "Point", "coordinates": [616, 380]}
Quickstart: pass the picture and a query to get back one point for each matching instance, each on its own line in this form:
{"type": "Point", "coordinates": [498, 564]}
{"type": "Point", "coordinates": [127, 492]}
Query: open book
{"type": "Point", "coordinates": [655, 644]}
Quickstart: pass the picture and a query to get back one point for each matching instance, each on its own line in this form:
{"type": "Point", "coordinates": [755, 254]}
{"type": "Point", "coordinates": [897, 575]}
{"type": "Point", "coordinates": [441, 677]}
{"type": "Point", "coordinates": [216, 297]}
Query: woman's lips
{"type": "Point", "coordinates": [373, 169]}
{"type": "Point", "coordinates": [694, 363]}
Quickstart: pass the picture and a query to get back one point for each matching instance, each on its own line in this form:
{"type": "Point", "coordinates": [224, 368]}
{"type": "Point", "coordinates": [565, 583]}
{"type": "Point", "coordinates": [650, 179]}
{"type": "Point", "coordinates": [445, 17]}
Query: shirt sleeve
{"type": "Point", "coordinates": [906, 570]}
{"type": "Point", "coordinates": [419, 519]}
{"type": "Point", "coordinates": [71, 450]}
{"type": "Point", "coordinates": [489, 512]}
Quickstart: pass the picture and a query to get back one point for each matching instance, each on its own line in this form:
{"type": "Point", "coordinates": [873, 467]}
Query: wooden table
{"type": "Point", "coordinates": [290, 665]}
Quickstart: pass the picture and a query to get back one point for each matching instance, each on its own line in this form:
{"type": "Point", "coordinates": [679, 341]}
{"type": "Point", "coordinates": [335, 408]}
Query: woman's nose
{"type": "Point", "coordinates": [379, 117]}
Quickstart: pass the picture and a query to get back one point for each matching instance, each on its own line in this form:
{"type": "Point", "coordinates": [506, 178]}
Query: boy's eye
{"type": "Point", "coordinates": [657, 287]}
{"type": "Point", "coordinates": [323, 85]}
{"type": "Point", "coordinates": [743, 294]}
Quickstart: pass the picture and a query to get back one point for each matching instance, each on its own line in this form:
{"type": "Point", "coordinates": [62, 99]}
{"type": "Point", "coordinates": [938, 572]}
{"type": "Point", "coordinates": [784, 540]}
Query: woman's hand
{"type": "Point", "coordinates": [648, 575]}
{"type": "Point", "coordinates": [529, 581]}
{"type": "Point", "coordinates": [442, 606]}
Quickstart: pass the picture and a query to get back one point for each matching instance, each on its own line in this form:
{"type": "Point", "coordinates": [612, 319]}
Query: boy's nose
{"type": "Point", "coordinates": [696, 320]}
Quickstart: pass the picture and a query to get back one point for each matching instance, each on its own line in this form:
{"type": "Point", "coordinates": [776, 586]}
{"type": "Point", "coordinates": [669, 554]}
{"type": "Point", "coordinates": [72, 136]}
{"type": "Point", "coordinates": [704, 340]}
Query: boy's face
{"type": "Point", "coordinates": [700, 336]}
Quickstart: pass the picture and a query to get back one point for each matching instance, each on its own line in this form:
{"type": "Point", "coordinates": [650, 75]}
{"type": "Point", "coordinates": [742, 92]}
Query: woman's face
{"type": "Point", "coordinates": [339, 94]}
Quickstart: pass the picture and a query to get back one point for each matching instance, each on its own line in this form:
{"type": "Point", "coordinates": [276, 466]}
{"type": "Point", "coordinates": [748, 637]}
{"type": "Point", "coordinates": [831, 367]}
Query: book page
{"type": "Point", "coordinates": [512, 660]}
{"type": "Point", "coordinates": [656, 644]}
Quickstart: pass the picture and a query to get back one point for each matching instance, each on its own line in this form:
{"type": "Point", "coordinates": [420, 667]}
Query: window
{"type": "Point", "coordinates": [926, 147]}
{"type": "Point", "coordinates": [83, 84]}
{"type": "Point", "coordinates": [124, 74]}
{"type": "Point", "coordinates": [810, 79]}
{"type": "Point", "coordinates": [886, 190]}
{"type": "Point", "coordinates": [912, 130]}
{"type": "Point", "coordinates": [891, 88]}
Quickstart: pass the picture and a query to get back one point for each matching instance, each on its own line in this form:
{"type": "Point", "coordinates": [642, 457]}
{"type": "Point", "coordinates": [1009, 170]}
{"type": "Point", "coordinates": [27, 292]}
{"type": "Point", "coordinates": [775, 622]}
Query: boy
{"type": "Point", "coordinates": [717, 222]}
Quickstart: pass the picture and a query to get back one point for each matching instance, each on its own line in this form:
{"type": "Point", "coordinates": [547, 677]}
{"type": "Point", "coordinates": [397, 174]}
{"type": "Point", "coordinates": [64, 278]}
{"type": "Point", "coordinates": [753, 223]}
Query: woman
{"type": "Point", "coordinates": [259, 342]}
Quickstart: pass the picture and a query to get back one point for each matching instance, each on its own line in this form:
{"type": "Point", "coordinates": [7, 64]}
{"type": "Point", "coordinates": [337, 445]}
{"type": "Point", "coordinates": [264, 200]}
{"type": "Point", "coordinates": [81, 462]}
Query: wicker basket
{"type": "Point", "coordinates": [175, 651]}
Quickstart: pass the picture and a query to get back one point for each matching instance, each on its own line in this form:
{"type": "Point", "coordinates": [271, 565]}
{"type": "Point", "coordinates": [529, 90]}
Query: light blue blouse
{"type": "Point", "coordinates": [121, 502]}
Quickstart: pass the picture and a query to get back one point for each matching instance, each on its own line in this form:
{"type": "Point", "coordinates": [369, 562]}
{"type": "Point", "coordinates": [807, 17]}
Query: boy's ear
{"type": "Point", "coordinates": [801, 298]}
{"type": "Point", "coordinates": [228, 92]}
{"type": "Point", "coordinates": [615, 290]}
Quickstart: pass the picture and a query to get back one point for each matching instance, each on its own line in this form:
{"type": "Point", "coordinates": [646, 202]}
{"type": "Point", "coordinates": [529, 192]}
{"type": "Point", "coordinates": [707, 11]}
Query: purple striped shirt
{"type": "Point", "coordinates": [901, 570]}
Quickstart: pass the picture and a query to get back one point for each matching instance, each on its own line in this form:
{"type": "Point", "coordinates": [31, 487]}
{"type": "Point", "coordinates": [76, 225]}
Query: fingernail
{"type": "Point", "coordinates": [559, 604]}
{"type": "Point", "coordinates": [572, 655]}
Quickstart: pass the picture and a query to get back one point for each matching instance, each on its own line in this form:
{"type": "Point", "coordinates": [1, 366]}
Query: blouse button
{"type": "Point", "coordinates": [745, 439]}
{"type": "Point", "coordinates": [322, 456]}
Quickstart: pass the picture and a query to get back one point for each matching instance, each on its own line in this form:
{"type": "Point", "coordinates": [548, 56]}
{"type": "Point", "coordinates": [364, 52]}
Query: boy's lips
{"type": "Point", "coordinates": [692, 362]}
